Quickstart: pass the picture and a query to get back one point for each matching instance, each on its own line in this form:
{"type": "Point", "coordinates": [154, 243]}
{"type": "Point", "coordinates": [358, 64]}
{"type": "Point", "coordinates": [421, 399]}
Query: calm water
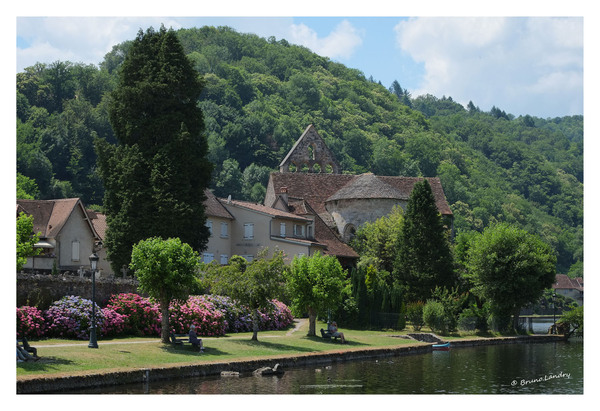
{"type": "Point", "coordinates": [548, 368]}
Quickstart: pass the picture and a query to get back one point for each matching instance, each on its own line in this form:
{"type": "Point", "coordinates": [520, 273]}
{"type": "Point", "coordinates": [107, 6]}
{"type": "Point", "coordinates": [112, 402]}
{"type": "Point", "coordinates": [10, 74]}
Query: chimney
{"type": "Point", "coordinates": [284, 194]}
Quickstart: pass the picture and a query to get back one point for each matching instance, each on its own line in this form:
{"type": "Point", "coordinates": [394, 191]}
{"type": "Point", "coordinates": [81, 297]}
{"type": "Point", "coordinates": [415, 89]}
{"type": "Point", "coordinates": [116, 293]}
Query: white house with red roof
{"type": "Point", "coordinates": [569, 287]}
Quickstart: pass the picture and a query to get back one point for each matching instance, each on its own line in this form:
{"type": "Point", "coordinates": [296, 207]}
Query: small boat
{"type": "Point", "coordinates": [445, 346]}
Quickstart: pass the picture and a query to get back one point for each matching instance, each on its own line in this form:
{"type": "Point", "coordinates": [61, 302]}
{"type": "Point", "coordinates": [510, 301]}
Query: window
{"type": "Point", "coordinates": [248, 258]}
{"type": "Point", "coordinates": [224, 230]}
{"type": "Point", "coordinates": [249, 231]}
{"type": "Point", "coordinates": [75, 251]}
{"type": "Point", "coordinates": [282, 230]}
{"type": "Point", "coordinates": [209, 225]}
{"type": "Point", "coordinates": [298, 230]}
{"type": "Point", "coordinates": [208, 257]}
{"type": "Point", "coordinates": [309, 231]}
{"type": "Point", "coordinates": [224, 259]}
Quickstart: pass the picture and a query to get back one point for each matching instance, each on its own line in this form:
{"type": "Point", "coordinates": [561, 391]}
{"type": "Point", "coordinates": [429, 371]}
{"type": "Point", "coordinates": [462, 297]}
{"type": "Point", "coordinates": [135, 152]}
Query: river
{"type": "Point", "coordinates": [540, 368]}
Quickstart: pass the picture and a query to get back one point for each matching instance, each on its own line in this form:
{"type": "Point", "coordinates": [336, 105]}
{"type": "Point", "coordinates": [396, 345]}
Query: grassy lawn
{"type": "Point", "coordinates": [69, 357]}
{"type": "Point", "coordinates": [65, 357]}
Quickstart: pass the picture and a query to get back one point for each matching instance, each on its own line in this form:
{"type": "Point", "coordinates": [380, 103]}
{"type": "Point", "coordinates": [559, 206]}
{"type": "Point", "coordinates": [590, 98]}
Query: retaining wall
{"type": "Point", "coordinates": [41, 290]}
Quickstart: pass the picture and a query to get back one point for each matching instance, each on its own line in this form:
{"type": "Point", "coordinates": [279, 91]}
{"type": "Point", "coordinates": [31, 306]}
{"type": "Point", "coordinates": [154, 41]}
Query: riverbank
{"type": "Point", "coordinates": [201, 367]}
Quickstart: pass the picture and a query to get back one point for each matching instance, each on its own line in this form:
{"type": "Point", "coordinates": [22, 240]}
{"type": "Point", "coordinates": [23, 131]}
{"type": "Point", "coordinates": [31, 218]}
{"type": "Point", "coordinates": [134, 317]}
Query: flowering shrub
{"type": "Point", "coordinates": [114, 323]}
{"type": "Point", "coordinates": [239, 318]}
{"type": "Point", "coordinates": [278, 317]}
{"type": "Point", "coordinates": [131, 314]}
{"type": "Point", "coordinates": [142, 316]}
{"type": "Point", "coordinates": [197, 311]}
{"type": "Point", "coordinates": [70, 317]}
{"type": "Point", "coordinates": [30, 322]}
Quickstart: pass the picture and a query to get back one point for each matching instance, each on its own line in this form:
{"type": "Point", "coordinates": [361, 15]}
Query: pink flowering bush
{"type": "Point", "coordinates": [142, 315]}
{"type": "Point", "coordinates": [114, 323]}
{"type": "Point", "coordinates": [70, 317]}
{"type": "Point", "coordinates": [197, 311]}
{"type": "Point", "coordinates": [30, 322]}
{"type": "Point", "coordinates": [277, 317]}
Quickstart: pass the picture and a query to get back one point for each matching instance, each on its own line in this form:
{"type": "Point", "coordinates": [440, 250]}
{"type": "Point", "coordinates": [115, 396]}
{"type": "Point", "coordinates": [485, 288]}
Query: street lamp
{"type": "Point", "coordinates": [93, 263]}
{"type": "Point", "coordinates": [554, 311]}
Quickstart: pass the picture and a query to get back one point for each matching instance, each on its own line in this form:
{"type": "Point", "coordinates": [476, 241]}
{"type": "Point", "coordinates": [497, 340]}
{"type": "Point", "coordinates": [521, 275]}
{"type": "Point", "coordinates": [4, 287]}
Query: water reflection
{"type": "Point", "coordinates": [550, 368]}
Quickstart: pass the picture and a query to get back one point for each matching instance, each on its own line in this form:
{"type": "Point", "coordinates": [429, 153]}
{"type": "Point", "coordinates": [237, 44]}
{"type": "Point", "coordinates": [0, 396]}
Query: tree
{"type": "Point", "coordinates": [316, 284]}
{"type": "Point", "coordinates": [166, 270]}
{"type": "Point", "coordinates": [155, 177]}
{"type": "Point", "coordinates": [377, 242]}
{"type": "Point", "coordinates": [424, 260]}
{"type": "Point", "coordinates": [510, 268]}
{"type": "Point", "coordinates": [253, 284]}
{"type": "Point", "coordinates": [25, 239]}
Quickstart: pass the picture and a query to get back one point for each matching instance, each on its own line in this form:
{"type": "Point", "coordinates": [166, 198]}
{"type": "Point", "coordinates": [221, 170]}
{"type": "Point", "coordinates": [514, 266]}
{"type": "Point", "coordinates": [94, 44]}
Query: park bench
{"type": "Point", "coordinates": [177, 341]}
{"type": "Point", "coordinates": [327, 335]}
{"type": "Point", "coordinates": [27, 347]}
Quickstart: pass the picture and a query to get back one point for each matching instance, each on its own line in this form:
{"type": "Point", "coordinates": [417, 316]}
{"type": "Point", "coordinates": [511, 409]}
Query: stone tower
{"type": "Point", "coordinates": [310, 154]}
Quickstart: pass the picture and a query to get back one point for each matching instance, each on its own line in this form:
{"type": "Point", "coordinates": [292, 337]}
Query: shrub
{"type": "Point", "coordinates": [70, 317]}
{"type": "Point", "coordinates": [414, 314]}
{"type": "Point", "coordinates": [197, 311]}
{"type": "Point", "coordinates": [472, 318]}
{"type": "Point", "coordinates": [237, 318]}
{"type": "Point", "coordinates": [30, 322]}
{"type": "Point", "coordinates": [277, 317]}
{"type": "Point", "coordinates": [434, 316]}
{"type": "Point", "coordinates": [113, 324]}
{"type": "Point", "coordinates": [142, 316]}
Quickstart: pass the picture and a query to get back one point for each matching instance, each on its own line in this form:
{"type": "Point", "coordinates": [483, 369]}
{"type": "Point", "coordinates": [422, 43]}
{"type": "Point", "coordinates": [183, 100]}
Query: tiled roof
{"type": "Point", "coordinates": [49, 216]}
{"type": "Point", "coordinates": [99, 222]}
{"type": "Point", "coordinates": [316, 189]}
{"type": "Point", "coordinates": [214, 208]}
{"type": "Point", "coordinates": [563, 281]}
{"type": "Point", "coordinates": [366, 186]}
{"type": "Point", "coordinates": [273, 212]}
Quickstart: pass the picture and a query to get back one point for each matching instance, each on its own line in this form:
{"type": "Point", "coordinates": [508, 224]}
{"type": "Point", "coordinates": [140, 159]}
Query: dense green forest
{"type": "Point", "coordinates": [260, 94]}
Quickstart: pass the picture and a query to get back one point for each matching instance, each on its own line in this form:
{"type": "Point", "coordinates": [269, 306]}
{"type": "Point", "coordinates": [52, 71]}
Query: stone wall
{"type": "Point", "coordinates": [41, 290]}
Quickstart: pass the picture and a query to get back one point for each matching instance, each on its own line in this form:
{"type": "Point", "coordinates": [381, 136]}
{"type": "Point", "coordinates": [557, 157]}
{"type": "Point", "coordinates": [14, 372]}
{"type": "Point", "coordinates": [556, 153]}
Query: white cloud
{"type": "Point", "coordinates": [340, 43]}
{"type": "Point", "coordinates": [77, 39]}
{"type": "Point", "coordinates": [518, 64]}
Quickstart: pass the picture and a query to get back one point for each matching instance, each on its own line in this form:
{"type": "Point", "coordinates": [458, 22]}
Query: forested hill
{"type": "Point", "coordinates": [259, 96]}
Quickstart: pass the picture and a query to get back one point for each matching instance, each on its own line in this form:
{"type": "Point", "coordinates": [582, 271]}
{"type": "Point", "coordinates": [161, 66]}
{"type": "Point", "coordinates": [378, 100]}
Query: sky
{"type": "Point", "coordinates": [522, 65]}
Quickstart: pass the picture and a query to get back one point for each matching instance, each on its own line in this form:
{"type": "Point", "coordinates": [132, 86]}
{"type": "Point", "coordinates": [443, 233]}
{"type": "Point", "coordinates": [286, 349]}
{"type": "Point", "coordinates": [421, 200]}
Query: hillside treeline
{"type": "Point", "coordinates": [260, 94]}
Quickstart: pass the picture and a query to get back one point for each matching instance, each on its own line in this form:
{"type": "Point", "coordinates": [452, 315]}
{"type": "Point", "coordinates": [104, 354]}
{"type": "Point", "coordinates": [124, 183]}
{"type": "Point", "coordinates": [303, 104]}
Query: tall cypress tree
{"type": "Point", "coordinates": [155, 177]}
{"type": "Point", "coordinates": [424, 260]}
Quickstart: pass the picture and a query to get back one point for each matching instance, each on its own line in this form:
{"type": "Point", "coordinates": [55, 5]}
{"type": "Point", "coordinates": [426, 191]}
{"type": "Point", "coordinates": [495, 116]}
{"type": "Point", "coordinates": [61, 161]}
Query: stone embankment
{"type": "Point", "coordinates": [46, 384]}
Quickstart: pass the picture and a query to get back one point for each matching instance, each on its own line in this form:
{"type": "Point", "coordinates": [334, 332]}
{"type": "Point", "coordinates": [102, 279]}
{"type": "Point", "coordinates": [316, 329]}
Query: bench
{"type": "Point", "coordinates": [175, 340]}
{"type": "Point", "coordinates": [327, 335]}
{"type": "Point", "coordinates": [27, 347]}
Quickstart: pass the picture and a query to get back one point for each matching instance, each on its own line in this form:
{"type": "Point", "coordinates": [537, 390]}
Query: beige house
{"type": "Point", "coordinates": [245, 229]}
{"type": "Point", "coordinates": [67, 235]}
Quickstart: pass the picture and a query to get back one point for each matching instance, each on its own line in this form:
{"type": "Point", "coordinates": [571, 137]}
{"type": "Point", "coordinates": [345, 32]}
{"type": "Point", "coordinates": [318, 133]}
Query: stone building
{"type": "Point", "coordinates": [339, 202]}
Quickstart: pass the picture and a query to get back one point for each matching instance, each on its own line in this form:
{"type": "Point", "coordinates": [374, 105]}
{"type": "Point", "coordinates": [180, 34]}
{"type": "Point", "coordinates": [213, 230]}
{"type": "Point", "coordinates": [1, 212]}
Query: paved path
{"type": "Point", "coordinates": [298, 323]}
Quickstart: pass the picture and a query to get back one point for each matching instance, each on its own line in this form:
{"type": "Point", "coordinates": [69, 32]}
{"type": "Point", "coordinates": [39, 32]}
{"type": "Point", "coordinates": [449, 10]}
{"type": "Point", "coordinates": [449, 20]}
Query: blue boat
{"type": "Point", "coordinates": [445, 346]}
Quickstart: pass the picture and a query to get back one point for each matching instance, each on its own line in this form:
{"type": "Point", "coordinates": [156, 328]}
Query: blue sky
{"type": "Point", "coordinates": [521, 65]}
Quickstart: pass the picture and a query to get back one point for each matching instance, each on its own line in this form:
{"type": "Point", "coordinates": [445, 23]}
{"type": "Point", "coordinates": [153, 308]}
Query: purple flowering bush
{"type": "Point", "coordinates": [30, 322]}
{"type": "Point", "coordinates": [198, 311]}
{"type": "Point", "coordinates": [70, 317]}
{"type": "Point", "coordinates": [239, 318]}
{"type": "Point", "coordinates": [142, 315]}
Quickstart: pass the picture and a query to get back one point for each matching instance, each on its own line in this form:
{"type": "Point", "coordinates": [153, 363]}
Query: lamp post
{"type": "Point", "coordinates": [554, 311]}
{"type": "Point", "coordinates": [93, 263]}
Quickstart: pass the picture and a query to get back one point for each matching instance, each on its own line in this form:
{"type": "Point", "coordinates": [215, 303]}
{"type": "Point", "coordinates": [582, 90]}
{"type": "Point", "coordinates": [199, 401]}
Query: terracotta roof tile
{"type": "Point", "coordinates": [274, 212]}
{"type": "Point", "coordinates": [563, 281]}
{"type": "Point", "coordinates": [214, 208]}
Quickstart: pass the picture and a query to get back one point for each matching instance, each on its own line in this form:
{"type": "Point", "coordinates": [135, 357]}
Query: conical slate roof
{"type": "Point", "coordinates": [366, 186]}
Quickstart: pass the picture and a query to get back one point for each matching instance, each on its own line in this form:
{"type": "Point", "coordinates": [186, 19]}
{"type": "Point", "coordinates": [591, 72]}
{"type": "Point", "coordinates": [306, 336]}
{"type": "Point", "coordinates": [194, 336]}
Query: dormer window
{"type": "Point", "coordinates": [298, 230]}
